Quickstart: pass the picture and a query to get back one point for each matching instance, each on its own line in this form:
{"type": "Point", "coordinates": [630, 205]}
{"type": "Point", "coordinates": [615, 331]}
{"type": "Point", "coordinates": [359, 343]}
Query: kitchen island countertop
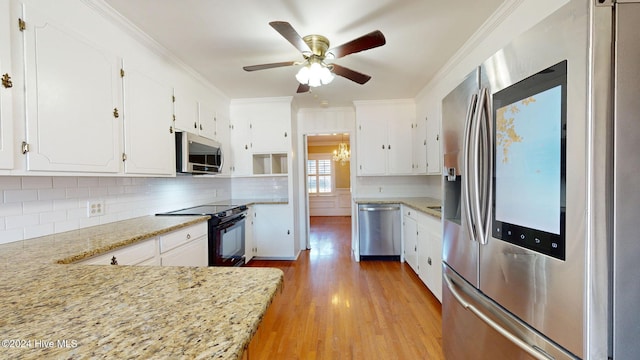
{"type": "Point", "coordinates": [53, 309]}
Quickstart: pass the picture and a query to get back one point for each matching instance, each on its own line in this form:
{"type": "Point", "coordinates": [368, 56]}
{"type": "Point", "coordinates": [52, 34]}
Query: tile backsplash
{"type": "Point", "coordinates": [33, 206]}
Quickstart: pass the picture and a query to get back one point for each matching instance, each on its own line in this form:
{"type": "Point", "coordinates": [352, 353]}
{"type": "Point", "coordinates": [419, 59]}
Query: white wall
{"type": "Point", "coordinates": [35, 206]}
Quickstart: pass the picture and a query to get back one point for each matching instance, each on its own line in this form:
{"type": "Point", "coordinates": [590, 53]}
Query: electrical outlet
{"type": "Point", "coordinates": [95, 208]}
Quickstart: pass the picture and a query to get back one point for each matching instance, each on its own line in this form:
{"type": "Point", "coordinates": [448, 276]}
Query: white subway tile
{"type": "Point", "coordinates": [21, 221]}
{"type": "Point", "coordinates": [53, 216]}
{"type": "Point", "coordinates": [65, 182]}
{"type": "Point", "coordinates": [98, 192]}
{"type": "Point", "coordinates": [67, 225]}
{"type": "Point", "coordinates": [8, 236]}
{"type": "Point", "coordinates": [52, 194]}
{"type": "Point", "coordinates": [33, 207]}
{"type": "Point", "coordinates": [77, 193]}
{"type": "Point", "coordinates": [38, 230]}
{"type": "Point", "coordinates": [37, 182]}
{"type": "Point", "coordinates": [10, 183]}
{"type": "Point", "coordinates": [11, 196]}
{"type": "Point", "coordinates": [88, 182]}
{"type": "Point", "coordinates": [65, 204]}
{"type": "Point", "coordinates": [11, 209]}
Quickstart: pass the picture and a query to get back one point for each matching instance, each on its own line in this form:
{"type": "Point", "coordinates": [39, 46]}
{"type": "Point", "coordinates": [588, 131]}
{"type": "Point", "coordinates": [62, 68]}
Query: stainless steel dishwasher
{"type": "Point", "coordinates": [379, 230]}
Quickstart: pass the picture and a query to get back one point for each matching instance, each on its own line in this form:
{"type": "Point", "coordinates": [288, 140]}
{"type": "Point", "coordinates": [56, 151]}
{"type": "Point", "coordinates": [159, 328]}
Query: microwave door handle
{"type": "Point", "coordinates": [221, 158]}
{"type": "Point", "coordinates": [466, 175]}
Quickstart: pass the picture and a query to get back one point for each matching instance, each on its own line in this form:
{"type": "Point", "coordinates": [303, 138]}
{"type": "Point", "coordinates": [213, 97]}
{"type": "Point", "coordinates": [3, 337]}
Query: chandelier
{"type": "Point", "coordinates": [315, 73]}
{"type": "Point", "coordinates": [342, 153]}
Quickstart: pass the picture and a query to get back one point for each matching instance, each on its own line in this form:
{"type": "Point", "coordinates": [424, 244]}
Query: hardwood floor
{"type": "Point", "coordinates": [332, 307]}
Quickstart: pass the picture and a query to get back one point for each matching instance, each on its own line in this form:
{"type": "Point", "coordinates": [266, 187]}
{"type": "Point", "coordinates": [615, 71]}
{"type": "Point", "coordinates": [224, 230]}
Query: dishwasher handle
{"type": "Point", "coordinates": [380, 208]}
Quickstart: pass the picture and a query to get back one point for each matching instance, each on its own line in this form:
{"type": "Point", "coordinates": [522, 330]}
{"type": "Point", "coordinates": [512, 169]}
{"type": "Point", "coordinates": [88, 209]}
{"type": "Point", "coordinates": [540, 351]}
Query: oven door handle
{"type": "Point", "coordinates": [227, 224]}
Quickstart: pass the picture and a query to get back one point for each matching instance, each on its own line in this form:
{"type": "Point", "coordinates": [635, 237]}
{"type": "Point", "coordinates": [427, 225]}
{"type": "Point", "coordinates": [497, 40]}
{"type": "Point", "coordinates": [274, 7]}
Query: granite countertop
{"type": "Point", "coordinates": [53, 309]}
{"type": "Point", "coordinates": [425, 204]}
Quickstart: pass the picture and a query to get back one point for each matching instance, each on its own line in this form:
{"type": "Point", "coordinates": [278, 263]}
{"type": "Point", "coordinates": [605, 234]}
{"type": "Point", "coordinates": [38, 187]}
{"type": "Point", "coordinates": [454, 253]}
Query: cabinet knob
{"type": "Point", "coordinates": [429, 260]}
{"type": "Point", "coordinates": [437, 137]}
{"type": "Point", "coordinates": [246, 147]}
{"type": "Point", "coordinates": [188, 236]}
{"type": "Point", "coordinates": [382, 146]}
{"type": "Point", "coordinates": [114, 261]}
{"type": "Point", "coordinates": [389, 147]}
{"type": "Point", "coordinates": [285, 134]}
{"type": "Point", "coordinates": [6, 81]}
{"type": "Point", "coordinates": [195, 125]}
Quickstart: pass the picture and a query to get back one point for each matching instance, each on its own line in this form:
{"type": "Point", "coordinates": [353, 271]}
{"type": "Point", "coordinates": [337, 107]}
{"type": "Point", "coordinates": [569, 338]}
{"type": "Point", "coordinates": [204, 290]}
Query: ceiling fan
{"type": "Point", "coordinates": [315, 50]}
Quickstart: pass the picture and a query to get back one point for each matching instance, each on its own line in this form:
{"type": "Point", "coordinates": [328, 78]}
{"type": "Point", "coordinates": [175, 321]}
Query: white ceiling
{"type": "Point", "coordinates": [218, 37]}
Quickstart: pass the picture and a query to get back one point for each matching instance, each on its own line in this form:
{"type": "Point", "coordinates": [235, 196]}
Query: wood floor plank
{"type": "Point", "coordinates": [332, 307]}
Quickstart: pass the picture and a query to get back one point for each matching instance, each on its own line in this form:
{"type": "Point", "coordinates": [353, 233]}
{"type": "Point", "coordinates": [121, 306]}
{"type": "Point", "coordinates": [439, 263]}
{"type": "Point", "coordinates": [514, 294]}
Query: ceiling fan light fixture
{"type": "Point", "coordinates": [314, 74]}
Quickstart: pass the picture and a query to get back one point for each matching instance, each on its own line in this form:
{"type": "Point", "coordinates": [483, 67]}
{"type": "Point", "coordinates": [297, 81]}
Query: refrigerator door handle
{"type": "Point", "coordinates": [530, 349]}
{"type": "Point", "coordinates": [466, 174]}
{"type": "Point", "coordinates": [482, 167]}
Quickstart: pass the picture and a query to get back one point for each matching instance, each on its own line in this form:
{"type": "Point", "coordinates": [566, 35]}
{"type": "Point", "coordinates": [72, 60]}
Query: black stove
{"type": "Point", "coordinates": [225, 231]}
{"type": "Point", "coordinates": [219, 213]}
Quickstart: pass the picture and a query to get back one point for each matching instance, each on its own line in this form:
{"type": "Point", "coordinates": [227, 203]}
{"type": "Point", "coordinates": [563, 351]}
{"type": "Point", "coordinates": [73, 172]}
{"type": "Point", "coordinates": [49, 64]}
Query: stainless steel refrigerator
{"type": "Point", "coordinates": [541, 201]}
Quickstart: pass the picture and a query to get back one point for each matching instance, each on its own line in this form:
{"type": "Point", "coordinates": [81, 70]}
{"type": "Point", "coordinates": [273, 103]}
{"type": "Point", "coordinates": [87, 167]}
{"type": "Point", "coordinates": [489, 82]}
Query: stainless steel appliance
{"type": "Point", "coordinates": [197, 155]}
{"type": "Point", "coordinates": [379, 231]}
{"type": "Point", "coordinates": [226, 230]}
{"type": "Point", "coordinates": [540, 202]}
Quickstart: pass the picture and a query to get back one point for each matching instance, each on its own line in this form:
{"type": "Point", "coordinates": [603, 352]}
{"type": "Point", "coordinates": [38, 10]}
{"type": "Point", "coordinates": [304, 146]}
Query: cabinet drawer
{"type": "Point", "coordinates": [174, 239]}
{"type": "Point", "coordinates": [407, 211]}
{"type": "Point", "coordinates": [129, 255]}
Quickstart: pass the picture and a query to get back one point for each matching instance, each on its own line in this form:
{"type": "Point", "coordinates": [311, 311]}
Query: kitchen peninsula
{"type": "Point", "coordinates": [52, 308]}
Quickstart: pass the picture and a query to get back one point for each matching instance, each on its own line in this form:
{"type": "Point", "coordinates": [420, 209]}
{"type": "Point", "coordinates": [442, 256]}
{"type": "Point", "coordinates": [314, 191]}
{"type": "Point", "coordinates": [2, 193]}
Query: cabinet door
{"type": "Point", "coordinates": [241, 152]}
{"type": "Point", "coordinates": [73, 95]}
{"type": "Point", "coordinates": [435, 259]}
{"type": "Point", "coordinates": [6, 89]}
{"type": "Point", "coordinates": [400, 149]}
{"type": "Point", "coordinates": [433, 146]}
{"type": "Point", "coordinates": [410, 232]}
{"type": "Point", "coordinates": [148, 120]}
{"type": "Point", "coordinates": [207, 120]}
{"type": "Point", "coordinates": [186, 110]}
{"type": "Point", "coordinates": [420, 146]}
{"type": "Point", "coordinates": [273, 231]}
{"type": "Point", "coordinates": [193, 253]}
{"type": "Point", "coordinates": [249, 247]}
{"type": "Point", "coordinates": [271, 132]}
{"type": "Point", "coordinates": [372, 142]}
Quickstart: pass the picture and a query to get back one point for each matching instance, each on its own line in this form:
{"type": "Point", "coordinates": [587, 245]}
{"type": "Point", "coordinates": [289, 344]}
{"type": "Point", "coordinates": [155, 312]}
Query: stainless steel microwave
{"type": "Point", "coordinates": [197, 155]}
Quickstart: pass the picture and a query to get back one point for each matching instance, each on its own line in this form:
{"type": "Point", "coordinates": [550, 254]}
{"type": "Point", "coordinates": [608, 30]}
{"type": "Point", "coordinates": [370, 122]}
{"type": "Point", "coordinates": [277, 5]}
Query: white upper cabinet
{"type": "Point", "coordinates": [433, 146]}
{"type": "Point", "coordinates": [148, 124]}
{"type": "Point", "coordinates": [420, 146]}
{"type": "Point", "coordinates": [6, 89]}
{"type": "Point", "coordinates": [73, 97]}
{"type": "Point", "coordinates": [187, 111]}
{"type": "Point", "coordinates": [194, 114]}
{"type": "Point", "coordinates": [385, 137]}
{"type": "Point", "coordinates": [258, 126]}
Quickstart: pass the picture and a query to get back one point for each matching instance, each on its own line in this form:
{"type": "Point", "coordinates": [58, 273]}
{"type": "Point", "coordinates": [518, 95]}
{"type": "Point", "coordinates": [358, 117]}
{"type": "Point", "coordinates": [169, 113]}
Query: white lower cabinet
{"type": "Point", "coordinates": [184, 247]}
{"type": "Point", "coordinates": [423, 248]}
{"type": "Point", "coordinates": [135, 254]}
{"type": "Point", "coordinates": [249, 248]}
{"type": "Point", "coordinates": [273, 231]}
{"type": "Point", "coordinates": [410, 236]}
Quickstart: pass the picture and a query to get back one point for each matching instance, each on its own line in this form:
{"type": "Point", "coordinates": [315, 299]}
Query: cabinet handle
{"type": "Point", "coordinates": [6, 81]}
{"type": "Point", "coordinates": [246, 147]}
{"type": "Point", "coordinates": [437, 137]}
{"type": "Point", "coordinates": [382, 146]}
{"type": "Point", "coordinates": [389, 147]}
{"type": "Point", "coordinates": [114, 261]}
{"type": "Point", "coordinates": [195, 125]}
{"type": "Point", "coordinates": [285, 134]}
{"type": "Point", "coordinates": [200, 126]}
{"type": "Point", "coordinates": [288, 232]}
{"type": "Point", "coordinates": [429, 260]}
{"type": "Point", "coordinates": [415, 248]}
{"type": "Point", "coordinates": [188, 236]}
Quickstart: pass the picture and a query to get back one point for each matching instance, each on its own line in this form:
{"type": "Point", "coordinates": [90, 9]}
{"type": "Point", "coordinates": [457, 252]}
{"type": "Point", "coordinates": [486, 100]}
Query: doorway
{"type": "Point", "coordinates": [327, 179]}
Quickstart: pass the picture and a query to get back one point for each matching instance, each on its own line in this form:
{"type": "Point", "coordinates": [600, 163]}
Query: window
{"type": "Point", "coordinates": [320, 174]}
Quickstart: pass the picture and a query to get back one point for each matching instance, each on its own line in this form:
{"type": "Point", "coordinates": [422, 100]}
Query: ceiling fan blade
{"type": "Point", "coordinates": [268, 66]}
{"type": "Point", "coordinates": [352, 75]}
{"type": "Point", "coordinates": [288, 32]}
{"type": "Point", "coordinates": [365, 42]}
{"type": "Point", "coordinates": [302, 88]}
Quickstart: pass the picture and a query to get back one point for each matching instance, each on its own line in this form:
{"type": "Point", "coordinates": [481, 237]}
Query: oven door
{"type": "Point", "coordinates": [226, 246]}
